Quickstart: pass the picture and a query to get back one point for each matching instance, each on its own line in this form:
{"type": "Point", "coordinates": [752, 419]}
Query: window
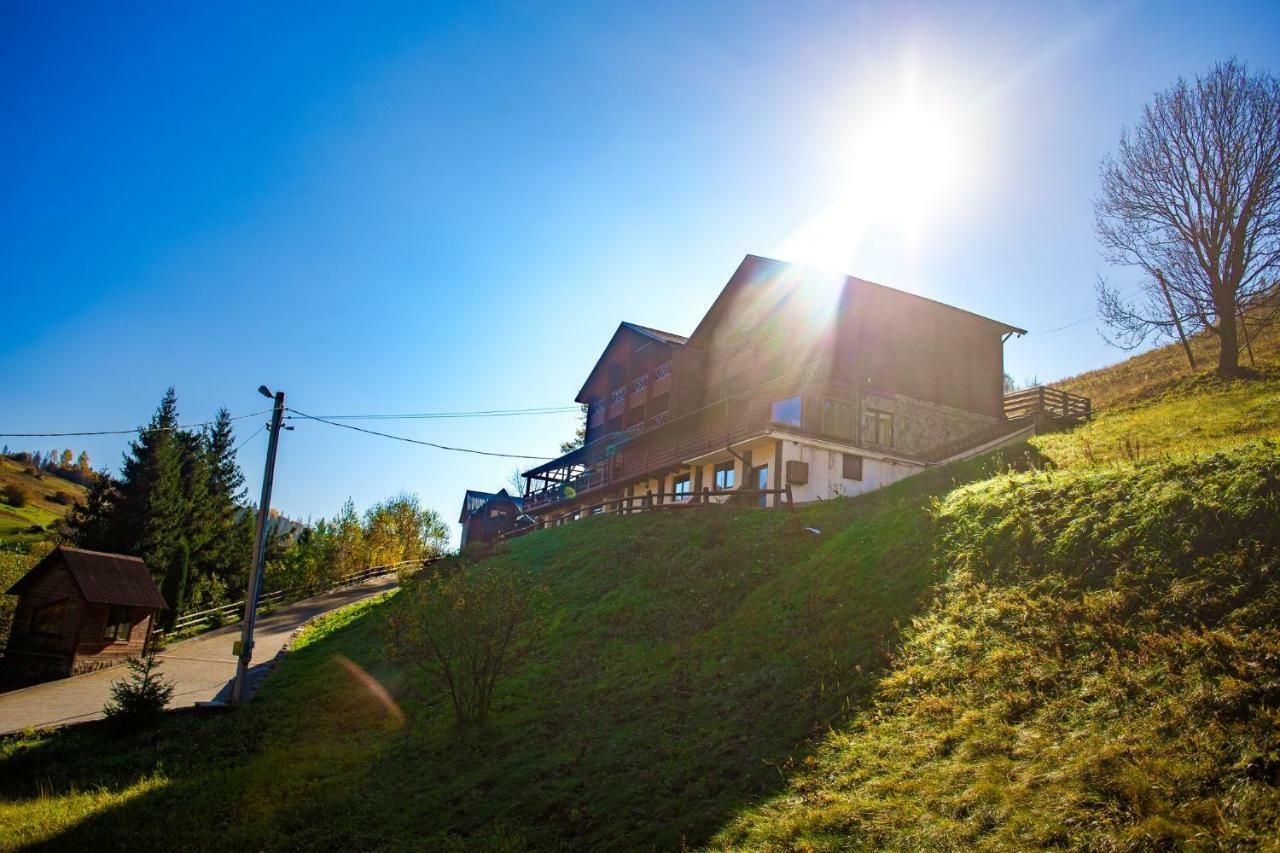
{"type": "Point", "coordinates": [724, 476]}
{"type": "Point", "coordinates": [49, 618]}
{"type": "Point", "coordinates": [786, 411]}
{"type": "Point", "coordinates": [762, 482]}
{"type": "Point", "coordinates": [837, 419]}
{"type": "Point", "coordinates": [118, 623]}
{"type": "Point", "coordinates": [682, 488]}
{"type": "Point", "coordinates": [877, 427]}
{"type": "Point", "coordinates": [852, 467]}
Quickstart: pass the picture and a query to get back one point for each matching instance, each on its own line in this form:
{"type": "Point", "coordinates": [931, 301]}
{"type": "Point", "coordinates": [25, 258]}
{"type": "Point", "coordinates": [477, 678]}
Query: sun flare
{"type": "Point", "coordinates": [905, 159]}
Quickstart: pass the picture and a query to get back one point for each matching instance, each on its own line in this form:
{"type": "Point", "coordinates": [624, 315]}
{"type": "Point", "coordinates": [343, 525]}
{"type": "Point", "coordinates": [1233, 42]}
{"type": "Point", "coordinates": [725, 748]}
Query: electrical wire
{"type": "Point", "coordinates": [418, 441]}
{"type": "Point", "coordinates": [488, 413]}
{"type": "Point", "coordinates": [251, 437]}
{"type": "Point", "coordinates": [122, 431]}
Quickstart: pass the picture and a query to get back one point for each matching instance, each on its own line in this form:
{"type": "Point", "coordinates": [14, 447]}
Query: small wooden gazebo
{"type": "Point", "coordinates": [79, 611]}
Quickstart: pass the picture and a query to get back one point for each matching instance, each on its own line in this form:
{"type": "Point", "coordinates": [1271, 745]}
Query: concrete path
{"type": "Point", "coordinates": [200, 667]}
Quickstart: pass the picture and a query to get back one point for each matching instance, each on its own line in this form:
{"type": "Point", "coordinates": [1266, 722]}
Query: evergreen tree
{"type": "Point", "coordinates": [93, 524]}
{"type": "Point", "coordinates": [230, 550]}
{"type": "Point", "coordinates": [82, 464]}
{"type": "Point", "coordinates": [152, 508]}
{"type": "Point", "coordinates": [176, 577]}
{"type": "Point", "coordinates": [66, 459]}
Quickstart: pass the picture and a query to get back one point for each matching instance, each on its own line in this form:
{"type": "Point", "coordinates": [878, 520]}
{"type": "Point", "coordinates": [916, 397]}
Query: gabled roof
{"type": "Point", "coordinates": [472, 501]}
{"type": "Point", "coordinates": [755, 268]}
{"type": "Point", "coordinates": [102, 578]}
{"type": "Point", "coordinates": [668, 338]}
{"type": "Point", "coordinates": [475, 502]}
{"type": "Point", "coordinates": [657, 334]}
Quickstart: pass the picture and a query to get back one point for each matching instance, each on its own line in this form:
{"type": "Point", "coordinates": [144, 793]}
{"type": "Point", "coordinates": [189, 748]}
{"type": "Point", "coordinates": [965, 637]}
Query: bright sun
{"type": "Point", "coordinates": [902, 162]}
{"type": "Point", "coordinates": [905, 162]}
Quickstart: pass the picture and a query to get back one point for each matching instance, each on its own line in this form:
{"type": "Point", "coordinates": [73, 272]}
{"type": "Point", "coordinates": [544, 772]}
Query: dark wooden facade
{"type": "Point", "coordinates": [81, 610]}
{"type": "Point", "coordinates": [873, 367]}
{"type": "Point", "coordinates": [487, 516]}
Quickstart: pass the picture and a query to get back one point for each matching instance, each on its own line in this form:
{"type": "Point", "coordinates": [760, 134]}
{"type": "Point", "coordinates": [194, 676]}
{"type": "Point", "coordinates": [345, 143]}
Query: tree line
{"type": "Point", "coordinates": [65, 463]}
{"type": "Point", "coordinates": [392, 531]}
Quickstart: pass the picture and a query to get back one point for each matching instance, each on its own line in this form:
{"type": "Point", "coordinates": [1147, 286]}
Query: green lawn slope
{"type": "Point", "coordinates": [1101, 670]}
{"type": "Point", "coordinates": [690, 659]}
{"type": "Point", "coordinates": [43, 505]}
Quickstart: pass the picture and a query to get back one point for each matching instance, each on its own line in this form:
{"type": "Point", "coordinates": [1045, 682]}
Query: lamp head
{"type": "Point", "coordinates": [264, 391]}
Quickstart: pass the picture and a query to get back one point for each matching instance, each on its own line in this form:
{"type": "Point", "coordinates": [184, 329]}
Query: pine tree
{"type": "Point", "coordinates": [231, 547]}
{"type": "Point", "coordinates": [152, 506]}
{"type": "Point", "coordinates": [66, 459]}
{"type": "Point", "coordinates": [176, 578]}
{"type": "Point", "coordinates": [94, 524]}
{"type": "Point", "coordinates": [83, 466]}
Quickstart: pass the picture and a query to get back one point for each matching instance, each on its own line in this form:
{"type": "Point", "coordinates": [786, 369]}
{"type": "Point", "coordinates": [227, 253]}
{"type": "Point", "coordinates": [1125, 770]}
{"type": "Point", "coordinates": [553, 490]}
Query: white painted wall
{"type": "Point", "coordinates": [826, 469]}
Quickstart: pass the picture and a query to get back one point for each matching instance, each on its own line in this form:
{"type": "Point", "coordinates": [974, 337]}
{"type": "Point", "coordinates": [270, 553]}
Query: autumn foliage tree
{"type": "Point", "coordinates": [1192, 200]}
{"type": "Point", "coordinates": [458, 630]}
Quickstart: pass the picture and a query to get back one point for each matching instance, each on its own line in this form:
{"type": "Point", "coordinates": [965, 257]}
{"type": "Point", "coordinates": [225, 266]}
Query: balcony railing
{"type": "Point", "coordinates": [1047, 402]}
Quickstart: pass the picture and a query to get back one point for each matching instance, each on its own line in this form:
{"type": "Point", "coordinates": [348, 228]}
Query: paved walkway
{"type": "Point", "coordinates": [200, 667]}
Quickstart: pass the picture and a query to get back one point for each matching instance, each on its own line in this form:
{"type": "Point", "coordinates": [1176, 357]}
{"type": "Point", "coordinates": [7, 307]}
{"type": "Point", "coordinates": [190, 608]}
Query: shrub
{"type": "Point", "coordinates": [60, 497]}
{"type": "Point", "coordinates": [15, 495]}
{"type": "Point", "coordinates": [138, 699]}
{"type": "Point", "coordinates": [458, 630]}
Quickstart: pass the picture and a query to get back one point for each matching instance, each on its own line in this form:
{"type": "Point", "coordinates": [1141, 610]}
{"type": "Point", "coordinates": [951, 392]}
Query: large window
{"type": "Point", "coordinates": [786, 411]}
{"type": "Point", "coordinates": [877, 427]}
{"type": "Point", "coordinates": [724, 476]}
{"type": "Point", "coordinates": [118, 623]}
{"type": "Point", "coordinates": [49, 618]}
{"type": "Point", "coordinates": [837, 419]}
{"type": "Point", "coordinates": [682, 488]}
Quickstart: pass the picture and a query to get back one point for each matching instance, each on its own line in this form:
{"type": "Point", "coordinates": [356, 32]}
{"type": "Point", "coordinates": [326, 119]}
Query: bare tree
{"type": "Point", "coordinates": [1192, 199]}
{"type": "Point", "coordinates": [515, 483]}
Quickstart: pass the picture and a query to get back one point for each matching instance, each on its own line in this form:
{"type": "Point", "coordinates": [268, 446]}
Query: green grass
{"type": "Point", "coordinates": [15, 522]}
{"type": "Point", "coordinates": [1187, 415]}
{"type": "Point", "coordinates": [689, 660]}
{"type": "Point", "coordinates": [1100, 671]}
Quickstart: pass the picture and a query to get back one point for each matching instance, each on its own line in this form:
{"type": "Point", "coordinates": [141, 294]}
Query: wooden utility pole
{"type": "Point", "coordinates": [1177, 321]}
{"type": "Point", "coordinates": [244, 649]}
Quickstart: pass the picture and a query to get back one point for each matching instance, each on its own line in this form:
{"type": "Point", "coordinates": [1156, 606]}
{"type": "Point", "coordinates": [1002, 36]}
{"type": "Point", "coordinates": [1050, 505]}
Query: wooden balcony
{"type": "Point", "coordinates": [1052, 403]}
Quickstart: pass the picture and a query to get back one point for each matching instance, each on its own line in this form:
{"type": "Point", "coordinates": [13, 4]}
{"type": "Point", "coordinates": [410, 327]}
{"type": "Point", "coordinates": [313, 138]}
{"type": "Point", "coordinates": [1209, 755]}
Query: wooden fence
{"type": "Point", "coordinates": [233, 612]}
{"type": "Point", "coordinates": [1056, 404]}
{"type": "Point", "coordinates": [660, 501]}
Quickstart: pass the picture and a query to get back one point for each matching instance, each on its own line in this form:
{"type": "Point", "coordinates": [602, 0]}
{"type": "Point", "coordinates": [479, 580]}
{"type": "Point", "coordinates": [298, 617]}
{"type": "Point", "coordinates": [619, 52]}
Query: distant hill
{"type": "Point", "coordinates": [50, 497]}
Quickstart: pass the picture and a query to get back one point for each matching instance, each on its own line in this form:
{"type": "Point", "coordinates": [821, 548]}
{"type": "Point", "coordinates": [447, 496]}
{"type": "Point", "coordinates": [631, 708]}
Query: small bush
{"type": "Point", "coordinates": [138, 699]}
{"type": "Point", "coordinates": [60, 497]}
{"type": "Point", "coordinates": [15, 495]}
{"type": "Point", "coordinates": [458, 630]}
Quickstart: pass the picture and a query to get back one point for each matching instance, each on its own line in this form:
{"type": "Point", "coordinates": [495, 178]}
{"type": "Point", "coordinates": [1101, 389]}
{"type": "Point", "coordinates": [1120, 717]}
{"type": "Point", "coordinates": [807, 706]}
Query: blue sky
{"type": "Point", "coordinates": [416, 207]}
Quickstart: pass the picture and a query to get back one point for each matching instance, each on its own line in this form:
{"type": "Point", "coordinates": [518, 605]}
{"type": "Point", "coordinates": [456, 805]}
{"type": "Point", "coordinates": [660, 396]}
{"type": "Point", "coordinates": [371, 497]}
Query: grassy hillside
{"type": "Point", "coordinates": [1084, 653]}
{"type": "Point", "coordinates": [690, 659]}
{"type": "Point", "coordinates": [44, 506]}
{"type": "Point", "coordinates": [1101, 670]}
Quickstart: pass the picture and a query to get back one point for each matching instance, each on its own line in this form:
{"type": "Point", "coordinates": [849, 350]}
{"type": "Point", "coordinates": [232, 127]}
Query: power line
{"type": "Point", "coordinates": [487, 413]}
{"type": "Point", "coordinates": [418, 441]}
{"type": "Point", "coordinates": [251, 437]}
{"type": "Point", "coordinates": [121, 431]}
